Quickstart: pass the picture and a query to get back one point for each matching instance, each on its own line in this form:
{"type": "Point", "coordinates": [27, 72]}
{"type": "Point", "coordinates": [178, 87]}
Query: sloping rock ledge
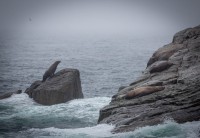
{"type": "Point", "coordinates": [65, 85]}
{"type": "Point", "coordinates": [176, 67]}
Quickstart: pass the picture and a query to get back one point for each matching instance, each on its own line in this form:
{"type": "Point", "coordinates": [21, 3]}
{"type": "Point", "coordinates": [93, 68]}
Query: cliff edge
{"type": "Point", "coordinates": [169, 87]}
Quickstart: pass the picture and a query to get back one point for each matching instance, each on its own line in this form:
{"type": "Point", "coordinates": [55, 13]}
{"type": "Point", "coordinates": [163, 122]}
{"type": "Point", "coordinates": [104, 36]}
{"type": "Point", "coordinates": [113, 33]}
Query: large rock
{"type": "Point", "coordinates": [65, 85]}
{"type": "Point", "coordinates": [180, 100]}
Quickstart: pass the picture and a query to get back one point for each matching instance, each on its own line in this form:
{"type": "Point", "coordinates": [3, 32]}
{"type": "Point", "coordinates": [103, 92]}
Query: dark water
{"type": "Point", "coordinates": [105, 64]}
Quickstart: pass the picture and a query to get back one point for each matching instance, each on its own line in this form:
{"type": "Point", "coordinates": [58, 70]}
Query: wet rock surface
{"type": "Point", "coordinates": [176, 67]}
{"type": "Point", "coordinates": [65, 85]}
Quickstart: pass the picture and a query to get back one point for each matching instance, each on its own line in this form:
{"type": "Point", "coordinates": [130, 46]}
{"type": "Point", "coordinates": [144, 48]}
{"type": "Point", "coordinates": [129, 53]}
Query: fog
{"type": "Point", "coordinates": [93, 17]}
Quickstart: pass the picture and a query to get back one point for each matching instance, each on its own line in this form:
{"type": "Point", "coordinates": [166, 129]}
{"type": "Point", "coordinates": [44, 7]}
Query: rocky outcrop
{"type": "Point", "coordinates": [176, 67]}
{"type": "Point", "coordinates": [8, 94]}
{"type": "Point", "coordinates": [65, 85]}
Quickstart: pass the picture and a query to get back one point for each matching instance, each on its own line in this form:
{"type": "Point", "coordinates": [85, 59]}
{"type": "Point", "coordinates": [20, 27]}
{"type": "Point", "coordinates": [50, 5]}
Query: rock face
{"type": "Point", "coordinates": [176, 67]}
{"type": "Point", "coordinates": [65, 85]}
{"type": "Point", "coordinates": [8, 94]}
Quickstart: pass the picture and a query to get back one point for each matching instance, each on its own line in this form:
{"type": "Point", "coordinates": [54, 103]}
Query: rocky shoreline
{"type": "Point", "coordinates": [176, 68]}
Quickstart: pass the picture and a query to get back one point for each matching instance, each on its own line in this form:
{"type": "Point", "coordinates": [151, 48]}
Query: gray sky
{"type": "Point", "coordinates": [99, 16]}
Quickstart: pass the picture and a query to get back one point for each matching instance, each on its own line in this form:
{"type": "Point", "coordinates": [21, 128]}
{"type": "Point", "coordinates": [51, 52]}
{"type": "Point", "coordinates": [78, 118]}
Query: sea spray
{"type": "Point", "coordinates": [21, 117]}
{"type": "Point", "coordinates": [20, 113]}
{"type": "Point", "coordinates": [169, 129]}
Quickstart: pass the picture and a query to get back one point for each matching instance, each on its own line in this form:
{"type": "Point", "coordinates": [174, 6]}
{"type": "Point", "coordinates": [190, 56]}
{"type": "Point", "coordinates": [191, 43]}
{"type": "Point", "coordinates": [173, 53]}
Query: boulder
{"type": "Point", "coordinates": [65, 85]}
{"type": "Point", "coordinates": [8, 94]}
{"type": "Point", "coordinates": [176, 68]}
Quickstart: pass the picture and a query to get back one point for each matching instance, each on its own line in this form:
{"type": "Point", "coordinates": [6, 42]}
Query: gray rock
{"type": "Point", "coordinates": [65, 85]}
{"type": "Point", "coordinates": [153, 83]}
{"type": "Point", "coordinates": [33, 86]}
{"type": "Point", "coordinates": [189, 33]}
{"type": "Point", "coordinates": [8, 94]}
{"type": "Point", "coordinates": [122, 87]}
{"type": "Point", "coordinates": [180, 98]}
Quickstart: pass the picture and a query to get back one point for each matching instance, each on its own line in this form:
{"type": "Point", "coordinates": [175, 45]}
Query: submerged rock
{"type": "Point", "coordinates": [65, 85]}
{"type": "Point", "coordinates": [8, 94]}
{"type": "Point", "coordinates": [176, 68]}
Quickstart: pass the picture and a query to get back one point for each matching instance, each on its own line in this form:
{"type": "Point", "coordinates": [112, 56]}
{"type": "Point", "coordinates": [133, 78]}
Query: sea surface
{"type": "Point", "coordinates": [105, 64]}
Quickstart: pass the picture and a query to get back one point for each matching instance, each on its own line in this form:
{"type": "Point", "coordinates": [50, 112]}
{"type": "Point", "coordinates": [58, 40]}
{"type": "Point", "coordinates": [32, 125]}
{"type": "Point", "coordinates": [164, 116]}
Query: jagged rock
{"type": "Point", "coordinates": [8, 94]}
{"type": "Point", "coordinates": [65, 85]}
{"type": "Point", "coordinates": [180, 100]}
{"type": "Point", "coordinates": [33, 86]}
{"type": "Point", "coordinates": [121, 88]}
{"type": "Point", "coordinates": [186, 34]}
{"type": "Point", "coordinates": [153, 83]}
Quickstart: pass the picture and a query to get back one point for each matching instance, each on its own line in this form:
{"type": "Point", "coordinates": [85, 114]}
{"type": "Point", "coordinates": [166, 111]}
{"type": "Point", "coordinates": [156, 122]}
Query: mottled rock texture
{"type": "Point", "coordinates": [177, 68]}
{"type": "Point", "coordinates": [65, 85]}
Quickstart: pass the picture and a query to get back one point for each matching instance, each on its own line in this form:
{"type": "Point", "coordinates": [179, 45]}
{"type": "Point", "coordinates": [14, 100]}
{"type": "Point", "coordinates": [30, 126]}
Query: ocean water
{"type": "Point", "coordinates": [105, 64]}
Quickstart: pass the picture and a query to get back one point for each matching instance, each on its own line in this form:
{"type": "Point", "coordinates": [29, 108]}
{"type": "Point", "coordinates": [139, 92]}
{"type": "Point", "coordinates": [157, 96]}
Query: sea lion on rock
{"type": "Point", "coordinates": [140, 91]}
{"type": "Point", "coordinates": [50, 72]}
{"type": "Point", "coordinates": [144, 90]}
{"type": "Point", "coordinates": [160, 66]}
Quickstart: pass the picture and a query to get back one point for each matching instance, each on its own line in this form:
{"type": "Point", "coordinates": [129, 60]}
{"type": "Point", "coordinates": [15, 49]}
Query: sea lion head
{"type": "Point", "coordinates": [57, 62]}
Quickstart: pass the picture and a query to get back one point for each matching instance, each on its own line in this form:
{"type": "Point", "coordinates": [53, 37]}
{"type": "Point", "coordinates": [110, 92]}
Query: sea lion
{"type": "Point", "coordinates": [50, 72]}
{"type": "Point", "coordinates": [144, 90]}
{"type": "Point", "coordinates": [138, 92]}
{"type": "Point", "coordinates": [160, 66]}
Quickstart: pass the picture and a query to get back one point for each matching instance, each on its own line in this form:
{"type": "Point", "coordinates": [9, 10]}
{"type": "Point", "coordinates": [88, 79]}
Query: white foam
{"type": "Point", "coordinates": [168, 129]}
{"type": "Point", "coordinates": [102, 130]}
{"type": "Point", "coordinates": [88, 111]}
{"type": "Point", "coordinates": [192, 129]}
{"type": "Point", "coordinates": [24, 107]}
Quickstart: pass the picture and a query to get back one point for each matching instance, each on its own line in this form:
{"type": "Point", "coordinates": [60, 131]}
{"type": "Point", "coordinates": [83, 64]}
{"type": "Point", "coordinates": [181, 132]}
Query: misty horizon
{"type": "Point", "coordinates": [88, 17]}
